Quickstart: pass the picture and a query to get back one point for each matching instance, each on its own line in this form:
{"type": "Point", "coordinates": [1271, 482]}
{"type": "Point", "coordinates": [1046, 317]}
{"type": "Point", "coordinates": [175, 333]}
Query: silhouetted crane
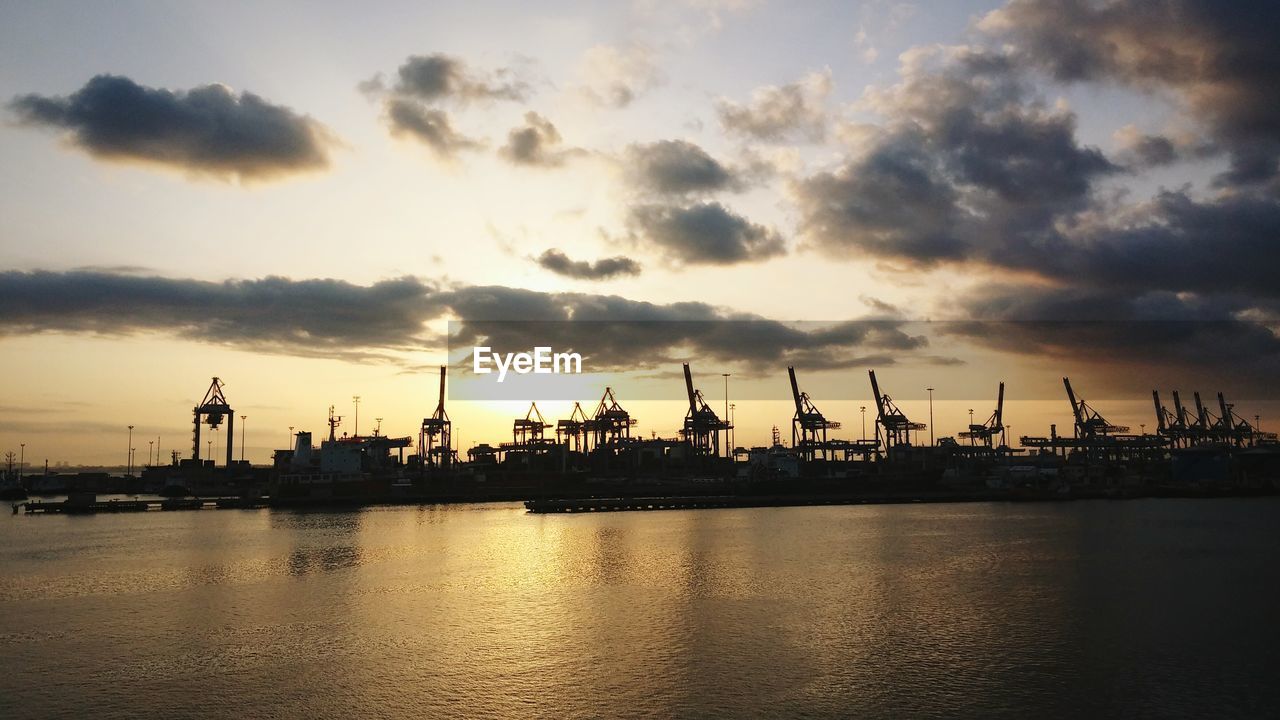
{"type": "Point", "coordinates": [986, 432]}
{"type": "Point", "coordinates": [897, 428]}
{"type": "Point", "coordinates": [809, 426]}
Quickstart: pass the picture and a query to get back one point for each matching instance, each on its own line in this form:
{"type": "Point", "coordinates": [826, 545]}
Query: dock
{"type": "Point", "coordinates": [73, 506]}
{"type": "Point", "coordinates": [623, 504]}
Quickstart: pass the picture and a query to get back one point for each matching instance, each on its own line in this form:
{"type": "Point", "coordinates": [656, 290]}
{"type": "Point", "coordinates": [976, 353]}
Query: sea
{"type": "Point", "coordinates": [1137, 608]}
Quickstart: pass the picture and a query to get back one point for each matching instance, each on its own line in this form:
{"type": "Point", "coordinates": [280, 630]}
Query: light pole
{"type": "Point", "coordinates": [356, 399]}
{"type": "Point", "coordinates": [377, 429]}
{"type": "Point", "coordinates": [242, 423]}
{"type": "Point", "coordinates": [727, 450]}
{"type": "Point", "coordinates": [290, 446]}
{"type": "Point", "coordinates": [129, 468]}
{"type": "Point", "coordinates": [22, 457]}
{"type": "Point", "coordinates": [733, 430]}
{"type": "Point", "coordinates": [863, 410]}
{"type": "Point", "coordinates": [930, 415]}
{"type": "Point", "coordinates": [151, 446]}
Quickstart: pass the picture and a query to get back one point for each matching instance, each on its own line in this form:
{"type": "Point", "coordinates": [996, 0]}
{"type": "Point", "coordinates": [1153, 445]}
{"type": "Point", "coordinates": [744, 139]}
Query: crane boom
{"type": "Point", "coordinates": [688, 384]}
{"type": "Point", "coordinates": [795, 390]}
{"type": "Point", "coordinates": [875, 390]}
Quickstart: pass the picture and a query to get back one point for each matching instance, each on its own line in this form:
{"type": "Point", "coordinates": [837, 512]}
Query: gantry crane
{"type": "Point", "coordinates": [572, 432]}
{"type": "Point", "coordinates": [702, 427]}
{"type": "Point", "coordinates": [986, 432]}
{"type": "Point", "coordinates": [529, 430]}
{"type": "Point", "coordinates": [809, 426]}
{"type": "Point", "coordinates": [611, 424]}
{"type": "Point", "coordinates": [435, 439]}
{"type": "Point", "coordinates": [213, 409]}
{"type": "Point", "coordinates": [1089, 423]}
{"type": "Point", "coordinates": [897, 428]}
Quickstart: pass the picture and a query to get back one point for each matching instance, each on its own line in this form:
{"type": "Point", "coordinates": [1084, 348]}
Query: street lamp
{"type": "Point", "coordinates": [727, 452]}
{"type": "Point", "coordinates": [356, 430]}
{"type": "Point", "coordinates": [290, 446]}
{"type": "Point", "coordinates": [930, 415]}
{"type": "Point", "coordinates": [129, 467]}
{"type": "Point", "coordinates": [22, 456]}
{"type": "Point", "coordinates": [733, 430]}
{"type": "Point", "coordinates": [242, 423]}
{"type": "Point", "coordinates": [151, 446]}
{"type": "Point", "coordinates": [863, 410]}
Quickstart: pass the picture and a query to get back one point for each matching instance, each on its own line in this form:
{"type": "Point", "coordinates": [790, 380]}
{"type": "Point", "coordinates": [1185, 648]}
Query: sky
{"type": "Point", "coordinates": [298, 198]}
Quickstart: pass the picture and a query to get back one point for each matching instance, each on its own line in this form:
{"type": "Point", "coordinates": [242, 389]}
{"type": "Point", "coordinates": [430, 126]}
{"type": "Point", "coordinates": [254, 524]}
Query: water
{"type": "Point", "coordinates": [1152, 608]}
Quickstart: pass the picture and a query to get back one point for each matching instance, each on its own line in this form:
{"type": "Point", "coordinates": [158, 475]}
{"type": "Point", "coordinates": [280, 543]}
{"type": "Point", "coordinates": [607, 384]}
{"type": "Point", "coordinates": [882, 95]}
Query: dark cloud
{"type": "Point", "coordinates": [297, 317]}
{"type": "Point", "coordinates": [603, 269]}
{"type": "Point", "coordinates": [537, 144]}
{"type": "Point", "coordinates": [704, 234]}
{"type": "Point", "coordinates": [1140, 150]}
{"type": "Point", "coordinates": [388, 319]}
{"type": "Point", "coordinates": [438, 76]}
{"type": "Point", "coordinates": [429, 126]}
{"type": "Point", "coordinates": [776, 113]}
{"type": "Point", "coordinates": [423, 83]}
{"type": "Point", "coordinates": [208, 130]}
{"type": "Point", "coordinates": [677, 167]}
{"type": "Point", "coordinates": [1222, 59]}
{"type": "Point", "coordinates": [893, 202]}
{"type": "Point", "coordinates": [1150, 337]}
{"type": "Point", "coordinates": [969, 166]}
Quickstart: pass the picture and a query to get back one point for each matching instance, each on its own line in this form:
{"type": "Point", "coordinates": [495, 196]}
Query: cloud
{"type": "Point", "coordinates": [412, 104]}
{"type": "Point", "coordinates": [704, 234]}
{"type": "Point", "coordinates": [320, 318]}
{"type": "Point", "coordinates": [678, 167]}
{"type": "Point", "coordinates": [438, 76]}
{"type": "Point", "coordinates": [968, 166]}
{"type": "Point", "coordinates": [1221, 60]}
{"type": "Point", "coordinates": [429, 126]}
{"type": "Point", "coordinates": [537, 144]}
{"type": "Point", "coordinates": [614, 76]}
{"type": "Point", "coordinates": [777, 113]}
{"type": "Point", "coordinates": [388, 320]}
{"type": "Point", "coordinates": [1148, 336]}
{"type": "Point", "coordinates": [208, 130]}
{"type": "Point", "coordinates": [603, 269]}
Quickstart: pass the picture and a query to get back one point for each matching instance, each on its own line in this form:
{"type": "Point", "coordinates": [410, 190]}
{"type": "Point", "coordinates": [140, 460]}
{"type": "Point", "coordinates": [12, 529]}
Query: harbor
{"type": "Point", "coordinates": [593, 461]}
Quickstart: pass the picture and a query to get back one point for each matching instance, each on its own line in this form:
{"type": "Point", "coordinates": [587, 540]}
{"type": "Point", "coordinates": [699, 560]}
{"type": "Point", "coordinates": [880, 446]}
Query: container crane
{"type": "Point", "coordinates": [611, 424]}
{"type": "Point", "coordinates": [572, 431]}
{"type": "Point", "coordinates": [1089, 423]}
{"type": "Point", "coordinates": [986, 432]}
{"type": "Point", "coordinates": [809, 426]}
{"type": "Point", "coordinates": [213, 409]}
{"type": "Point", "coordinates": [435, 439]}
{"type": "Point", "coordinates": [702, 427]}
{"type": "Point", "coordinates": [897, 428]}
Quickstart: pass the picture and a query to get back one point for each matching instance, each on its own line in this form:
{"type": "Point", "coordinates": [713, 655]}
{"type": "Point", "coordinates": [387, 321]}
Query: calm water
{"type": "Point", "coordinates": [1140, 608]}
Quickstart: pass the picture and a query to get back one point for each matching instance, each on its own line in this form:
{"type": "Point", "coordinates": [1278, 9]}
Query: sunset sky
{"type": "Point", "coordinates": [297, 197]}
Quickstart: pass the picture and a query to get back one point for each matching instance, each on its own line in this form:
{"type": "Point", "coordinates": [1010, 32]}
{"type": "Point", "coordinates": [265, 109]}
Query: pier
{"type": "Point", "coordinates": [80, 506]}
